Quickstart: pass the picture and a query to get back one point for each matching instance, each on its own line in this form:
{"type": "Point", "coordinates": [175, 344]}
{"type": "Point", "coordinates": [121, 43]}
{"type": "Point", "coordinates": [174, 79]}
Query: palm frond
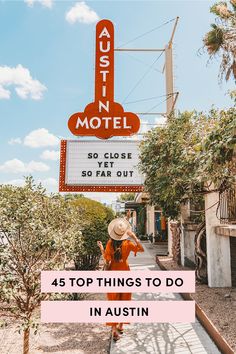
{"type": "Point", "coordinates": [214, 39]}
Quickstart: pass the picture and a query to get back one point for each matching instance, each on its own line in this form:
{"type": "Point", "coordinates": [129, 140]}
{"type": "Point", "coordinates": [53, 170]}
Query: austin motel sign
{"type": "Point", "coordinates": [101, 165]}
{"type": "Point", "coordinates": [104, 118]}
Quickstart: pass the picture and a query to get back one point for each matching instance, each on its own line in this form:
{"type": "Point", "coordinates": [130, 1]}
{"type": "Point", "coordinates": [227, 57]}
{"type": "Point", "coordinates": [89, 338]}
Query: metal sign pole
{"type": "Point", "coordinates": [169, 80]}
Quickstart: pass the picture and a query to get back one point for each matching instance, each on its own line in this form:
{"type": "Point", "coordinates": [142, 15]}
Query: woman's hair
{"type": "Point", "coordinates": [117, 249]}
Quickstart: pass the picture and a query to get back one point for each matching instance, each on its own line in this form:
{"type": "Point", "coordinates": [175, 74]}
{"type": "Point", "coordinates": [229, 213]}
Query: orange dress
{"type": "Point", "coordinates": [126, 248]}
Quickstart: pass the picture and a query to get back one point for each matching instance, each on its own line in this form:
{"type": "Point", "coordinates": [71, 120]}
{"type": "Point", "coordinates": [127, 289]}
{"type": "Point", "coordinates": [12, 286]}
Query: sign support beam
{"type": "Point", "coordinates": [138, 50]}
{"type": "Point", "coordinates": [169, 80]}
{"type": "Point", "coordinates": [168, 68]}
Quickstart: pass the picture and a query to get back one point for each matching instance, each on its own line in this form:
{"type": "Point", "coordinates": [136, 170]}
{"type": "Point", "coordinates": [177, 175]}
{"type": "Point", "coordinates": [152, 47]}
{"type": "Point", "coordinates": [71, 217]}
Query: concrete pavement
{"type": "Point", "coordinates": [161, 338]}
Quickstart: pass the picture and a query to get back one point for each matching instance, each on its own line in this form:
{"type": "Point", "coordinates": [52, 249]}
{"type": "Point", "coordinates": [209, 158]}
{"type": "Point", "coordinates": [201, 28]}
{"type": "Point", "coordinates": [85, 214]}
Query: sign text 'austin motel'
{"type": "Point", "coordinates": [104, 118]}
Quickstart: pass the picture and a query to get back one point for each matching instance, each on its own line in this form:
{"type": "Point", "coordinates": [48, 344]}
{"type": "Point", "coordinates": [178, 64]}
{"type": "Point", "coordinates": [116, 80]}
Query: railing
{"type": "Point", "coordinates": [227, 206]}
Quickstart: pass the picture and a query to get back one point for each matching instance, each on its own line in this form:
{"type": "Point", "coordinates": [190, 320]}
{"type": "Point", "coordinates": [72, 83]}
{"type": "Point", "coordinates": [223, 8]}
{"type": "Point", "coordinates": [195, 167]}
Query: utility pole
{"type": "Point", "coordinates": [170, 102]}
{"type": "Point", "coordinates": [169, 80]}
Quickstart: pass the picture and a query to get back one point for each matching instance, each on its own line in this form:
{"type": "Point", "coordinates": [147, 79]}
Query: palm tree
{"type": "Point", "coordinates": [221, 39]}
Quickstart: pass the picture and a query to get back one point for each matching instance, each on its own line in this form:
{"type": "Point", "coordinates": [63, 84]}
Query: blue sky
{"type": "Point", "coordinates": [48, 56]}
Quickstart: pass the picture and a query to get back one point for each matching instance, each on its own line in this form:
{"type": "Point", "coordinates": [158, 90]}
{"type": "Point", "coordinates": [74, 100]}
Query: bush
{"type": "Point", "coordinates": [96, 218]}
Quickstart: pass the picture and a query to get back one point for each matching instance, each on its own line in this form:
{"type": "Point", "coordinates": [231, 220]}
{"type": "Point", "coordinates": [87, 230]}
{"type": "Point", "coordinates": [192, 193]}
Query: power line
{"type": "Point", "coordinates": [151, 114]}
{"type": "Point", "coordinates": [143, 62]}
{"type": "Point", "coordinates": [153, 124]}
{"type": "Point", "coordinates": [144, 34]}
{"type": "Point", "coordinates": [144, 75]}
{"type": "Point", "coordinates": [150, 98]}
{"type": "Point", "coordinates": [159, 103]}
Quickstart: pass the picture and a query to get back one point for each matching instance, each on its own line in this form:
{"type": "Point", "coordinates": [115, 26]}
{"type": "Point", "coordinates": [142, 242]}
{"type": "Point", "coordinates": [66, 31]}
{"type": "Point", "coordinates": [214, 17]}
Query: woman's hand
{"type": "Point", "coordinates": [100, 245]}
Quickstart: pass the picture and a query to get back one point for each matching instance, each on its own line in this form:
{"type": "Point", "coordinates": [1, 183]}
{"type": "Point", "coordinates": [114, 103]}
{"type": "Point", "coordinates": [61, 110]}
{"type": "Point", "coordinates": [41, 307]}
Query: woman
{"type": "Point", "coordinates": [116, 253]}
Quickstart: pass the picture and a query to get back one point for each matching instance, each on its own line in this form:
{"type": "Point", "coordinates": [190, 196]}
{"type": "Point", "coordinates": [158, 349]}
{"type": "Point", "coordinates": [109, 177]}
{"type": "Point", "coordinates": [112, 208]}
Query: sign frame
{"type": "Point", "coordinates": [63, 187]}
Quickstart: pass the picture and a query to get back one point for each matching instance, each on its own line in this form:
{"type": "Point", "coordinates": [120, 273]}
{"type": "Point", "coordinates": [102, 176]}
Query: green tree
{"type": "Point", "coordinates": [181, 157]}
{"type": "Point", "coordinates": [221, 39]}
{"type": "Point", "coordinates": [216, 163]}
{"type": "Point", "coordinates": [126, 197]}
{"type": "Point", "coordinates": [36, 234]}
{"type": "Point", "coordinates": [96, 218]}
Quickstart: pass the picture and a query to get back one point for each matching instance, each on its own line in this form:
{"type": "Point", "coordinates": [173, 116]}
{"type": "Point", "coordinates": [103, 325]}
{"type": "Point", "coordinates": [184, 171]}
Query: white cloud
{"type": "Point", "coordinates": [81, 12]}
{"type": "Point", "coordinates": [45, 3]}
{"type": "Point", "coordinates": [107, 198]}
{"type": "Point", "coordinates": [147, 125]}
{"type": "Point", "coordinates": [18, 166]}
{"type": "Point", "coordinates": [21, 79]}
{"type": "Point", "coordinates": [40, 138]}
{"type": "Point", "coordinates": [53, 155]}
{"type": "Point", "coordinates": [161, 120]}
{"type": "Point", "coordinates": [4, 94]}
{"type": "Point", "coordinates": [144, 127]}
{"type": "Point", "coordinates": [14, 141]}
{"type": "Point", "coordinates": [15, 182]}
{"type": "Point", "coordinates": [48, 182]}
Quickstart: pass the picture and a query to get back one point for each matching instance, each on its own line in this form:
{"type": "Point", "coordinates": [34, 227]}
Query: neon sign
{"type": "Point", "coordinates": [104, 118]}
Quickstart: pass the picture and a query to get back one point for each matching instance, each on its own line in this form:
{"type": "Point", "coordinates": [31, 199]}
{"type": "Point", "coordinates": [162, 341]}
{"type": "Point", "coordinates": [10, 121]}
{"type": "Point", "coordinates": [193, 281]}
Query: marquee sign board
{"type": "Point", "coordinates": [92, 166]}
{"type": "Point", "coordinates": [104, 118]}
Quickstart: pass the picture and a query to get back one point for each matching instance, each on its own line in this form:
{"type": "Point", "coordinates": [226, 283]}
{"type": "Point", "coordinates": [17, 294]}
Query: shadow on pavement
{"type": "Point", "coordinates": [75, 337]}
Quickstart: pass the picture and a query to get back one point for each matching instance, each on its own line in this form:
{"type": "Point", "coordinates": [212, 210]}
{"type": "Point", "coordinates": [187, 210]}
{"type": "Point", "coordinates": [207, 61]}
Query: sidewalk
{"type": "Point", "coordinates": [161, 338]}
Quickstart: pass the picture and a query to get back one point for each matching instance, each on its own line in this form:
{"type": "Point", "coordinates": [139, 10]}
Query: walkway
{"type": "Point", "coordinates": [161, 338]}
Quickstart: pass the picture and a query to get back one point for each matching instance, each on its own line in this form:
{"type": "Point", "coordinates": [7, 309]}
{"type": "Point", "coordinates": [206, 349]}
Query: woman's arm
{"type": "Point", "coordinates": [139, 247]}
{"type": "Point", "coordinates": [100, 245]}
{"type": "Point", "coordinates": [106, 254]}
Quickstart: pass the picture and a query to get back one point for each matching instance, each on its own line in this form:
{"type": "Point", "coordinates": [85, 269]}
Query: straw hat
{"type": "Point", "coordinates": [118, 228]}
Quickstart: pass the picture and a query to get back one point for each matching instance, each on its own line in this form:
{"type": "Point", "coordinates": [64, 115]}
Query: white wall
{"type": "Point", "coordinates": [169, 239]}
{"type": "Point", "coordinates": [188, 243]}
{"type": "Point", "coordinates": [218, 247]}
{"type": "Point", "coordinates": [150, 219]}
